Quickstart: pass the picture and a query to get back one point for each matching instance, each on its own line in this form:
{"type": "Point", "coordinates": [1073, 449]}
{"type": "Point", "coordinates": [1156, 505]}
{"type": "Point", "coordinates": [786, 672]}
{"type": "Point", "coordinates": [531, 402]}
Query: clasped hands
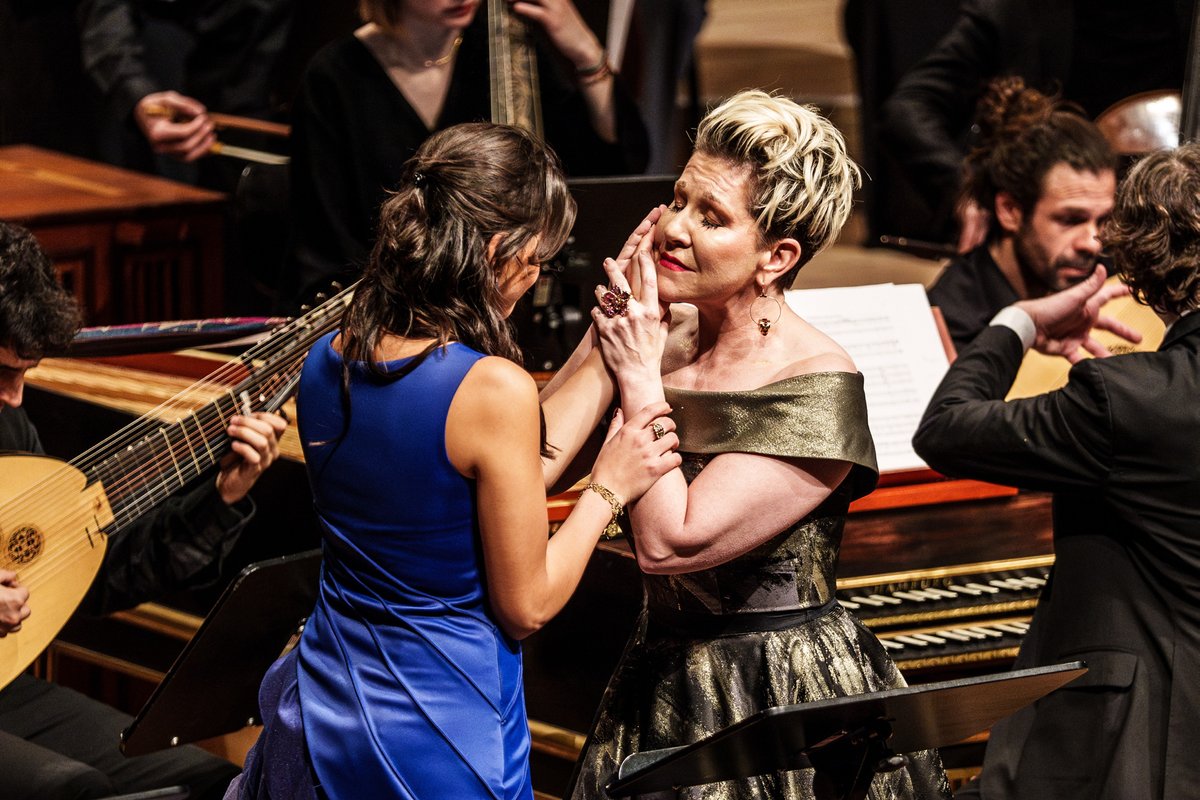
{"type": "Point", "coordinates": [1065, 320]}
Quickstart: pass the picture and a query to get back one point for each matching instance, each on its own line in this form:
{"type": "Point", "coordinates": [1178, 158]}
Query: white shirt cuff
{"type": "Point", "coordinates": [1019, 322]}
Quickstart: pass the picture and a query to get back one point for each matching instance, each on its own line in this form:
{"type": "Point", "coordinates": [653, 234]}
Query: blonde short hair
{"type": "Point", "coordinates": [802, 183]}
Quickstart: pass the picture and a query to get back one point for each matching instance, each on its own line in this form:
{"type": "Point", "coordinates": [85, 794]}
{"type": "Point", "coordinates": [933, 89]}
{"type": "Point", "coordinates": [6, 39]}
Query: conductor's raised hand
{"type": "Point", "coordinates": [638, 452]}
{"type": "Point", "coordinates": [1065, 320]}
{"type": "Point", "coordinates": [255, 447]}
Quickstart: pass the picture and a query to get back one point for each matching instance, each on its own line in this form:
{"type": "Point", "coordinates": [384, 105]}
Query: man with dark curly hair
{"type": "Point", "coordinates": [1045, 177]}
{"type": "Point", "coordinates": [55, 743]}
{"type": "Point", "coordinates": [1118, 447]}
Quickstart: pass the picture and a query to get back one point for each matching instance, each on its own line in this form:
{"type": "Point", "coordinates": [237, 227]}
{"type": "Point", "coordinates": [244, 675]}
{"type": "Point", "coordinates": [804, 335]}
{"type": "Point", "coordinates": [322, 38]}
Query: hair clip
{"type": "Point", "coordinates": [419, 179]}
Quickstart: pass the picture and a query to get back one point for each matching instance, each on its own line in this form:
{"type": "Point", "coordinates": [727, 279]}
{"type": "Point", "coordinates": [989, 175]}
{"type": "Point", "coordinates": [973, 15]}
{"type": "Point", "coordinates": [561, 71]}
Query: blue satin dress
{"type": "Point", "coordinates": [402, 686]}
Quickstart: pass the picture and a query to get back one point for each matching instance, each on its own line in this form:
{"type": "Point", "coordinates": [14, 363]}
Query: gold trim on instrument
{"type": "Point", "coordinates": [977, 657]}
{"type": "Point", "coordinates": [958, 612]}
{"type": "Point", "coordinates": [915, 575]}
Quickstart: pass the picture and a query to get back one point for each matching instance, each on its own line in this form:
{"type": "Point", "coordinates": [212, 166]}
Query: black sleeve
{"type": "Point", "coordinates": [1056, 441]}
{"type": "Point", "coordinates": [328, 242]}
{"type": "Point", "coordinates": [112, 51]}
{"type": "Point", "coordinates": [181, 544]}
{"type": "Point", "coordinates": [17, 434]}
{"type": "Point", "coordinates": [925, 122]}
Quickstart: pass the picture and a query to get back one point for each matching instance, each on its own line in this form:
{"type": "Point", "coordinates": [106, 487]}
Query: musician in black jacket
{"type": "Point", "coordinates": [1095, 52]}
{"type": "Point", "coordinates": [55, 742]}
{"type": "Point", "coordinates": [1118, 447]}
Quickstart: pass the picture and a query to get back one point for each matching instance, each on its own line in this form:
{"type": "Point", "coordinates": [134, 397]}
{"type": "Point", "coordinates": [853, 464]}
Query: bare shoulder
{"type": "Point", "coordinates": [499, 381]}
{"type": "Point", "coordinates": [817, 352]}
{"type": "Point", "coordinates": [494, 411]}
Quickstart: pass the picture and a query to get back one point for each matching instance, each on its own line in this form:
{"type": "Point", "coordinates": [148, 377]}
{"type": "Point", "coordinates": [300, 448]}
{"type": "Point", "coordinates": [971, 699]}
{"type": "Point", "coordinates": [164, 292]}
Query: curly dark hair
{"type": "Point", "coordinates": [38, 316]}
{"type": "Point", "coordinates": [1154, 230]}
{"type": "Point", "coordinates": [1022, 135]}
{"type": "Point", "coordinates": [430, 274]}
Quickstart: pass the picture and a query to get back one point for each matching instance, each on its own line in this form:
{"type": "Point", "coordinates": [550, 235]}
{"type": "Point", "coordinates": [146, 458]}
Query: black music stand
{"type": "Point", "coordinates": [845, 739]}
{"type": "Point", "coordinates": [212, 688]}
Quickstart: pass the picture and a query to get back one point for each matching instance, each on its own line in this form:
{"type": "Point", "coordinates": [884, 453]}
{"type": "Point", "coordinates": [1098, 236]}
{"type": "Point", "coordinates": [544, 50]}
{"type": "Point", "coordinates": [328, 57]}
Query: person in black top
{"type": "Point", "coordinates": [1095, 52]}
{"type": "Point", "coordinates": [1047, 177]}
{"type": "Point", "coordinates": [53, 741]}
{"type": "Point", "coordinates": [370, 99]}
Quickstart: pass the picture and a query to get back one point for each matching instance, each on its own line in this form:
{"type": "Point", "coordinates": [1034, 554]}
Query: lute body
{"type": "Point", "coordinates": [55, 517]}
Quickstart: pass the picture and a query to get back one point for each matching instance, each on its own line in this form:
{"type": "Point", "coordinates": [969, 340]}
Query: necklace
{"type": "Point", "coordinates": [438, 62]}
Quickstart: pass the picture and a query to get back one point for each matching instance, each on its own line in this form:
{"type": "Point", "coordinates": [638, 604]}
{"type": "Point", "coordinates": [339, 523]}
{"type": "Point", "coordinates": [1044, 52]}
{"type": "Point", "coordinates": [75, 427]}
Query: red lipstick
{"type": "Point", "coordinates": [669, 262]}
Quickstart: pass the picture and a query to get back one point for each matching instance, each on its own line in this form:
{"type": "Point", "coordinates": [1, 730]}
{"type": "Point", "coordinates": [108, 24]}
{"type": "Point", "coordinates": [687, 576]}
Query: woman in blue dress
{"type": "Point", "coordinates": [428, 462]}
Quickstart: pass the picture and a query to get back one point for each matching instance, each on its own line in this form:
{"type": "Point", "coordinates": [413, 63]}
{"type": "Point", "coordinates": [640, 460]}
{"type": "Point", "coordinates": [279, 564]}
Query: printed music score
{"type": "Point", "coordinates": [889, 331]}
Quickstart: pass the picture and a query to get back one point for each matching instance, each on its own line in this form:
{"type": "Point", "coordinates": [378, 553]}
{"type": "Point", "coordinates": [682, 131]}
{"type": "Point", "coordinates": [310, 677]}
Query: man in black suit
{"type": "Point", "coordinates": [1118, 447]}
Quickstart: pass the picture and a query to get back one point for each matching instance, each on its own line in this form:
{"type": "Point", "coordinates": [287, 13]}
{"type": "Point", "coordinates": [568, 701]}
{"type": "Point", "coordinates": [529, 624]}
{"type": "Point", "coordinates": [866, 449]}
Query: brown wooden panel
{"type": "Point", "coordinates": [131, 247]}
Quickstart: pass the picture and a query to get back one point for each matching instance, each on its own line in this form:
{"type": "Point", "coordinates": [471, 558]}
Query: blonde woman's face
{"type": "Point", "coordinates": [707, 244]}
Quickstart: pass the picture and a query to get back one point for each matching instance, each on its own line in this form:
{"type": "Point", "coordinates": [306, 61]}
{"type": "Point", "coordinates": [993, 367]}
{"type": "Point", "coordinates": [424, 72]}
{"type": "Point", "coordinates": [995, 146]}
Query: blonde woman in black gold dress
{"type": "Point", "coordinates": [739, 546]}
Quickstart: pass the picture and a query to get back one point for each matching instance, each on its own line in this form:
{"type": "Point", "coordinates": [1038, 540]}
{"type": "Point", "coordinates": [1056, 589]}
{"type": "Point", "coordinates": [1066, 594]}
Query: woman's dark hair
{"type": "Point", "coordinates": [1022, 135]}
{"type": "Point", "coordinates": [430, 274]}
{"type": "Point", "coordinates": [1154, 231]}
{"type": "Point", "coordinates": [37, 315]}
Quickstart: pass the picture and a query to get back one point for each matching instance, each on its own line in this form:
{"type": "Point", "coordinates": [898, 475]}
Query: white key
{"type": "Point", "coordinates": [965, 590]}
{"type": "Point", "coordinates": [848, 604]}
{"type": "Point", "coordinates": [895, 601]}
{"type": "Point", "coordinates": [940, 592]}
{"type": "Point", "coordinates": [912, 640]}
{"type": "Point", "coordinates": [929, 637]}
{"type": "Point", "coordinates": [1007, 628]}
{"type": "Point", "coordinates": [867, 601]}
{"type": "Point", "coordinates": [913, 596]}
{"type": "Point", "coordinates": [995, 634]}
{"type": "Point", "coordinates": [970, 633]}
{"type": "Point", "coordinates": [958, 637]}
{"type": "Point", "coordinates": [982, 588]}
{"type": "Point", "coordinates": [888, 644]}
{"type": "Point", "coordinates": [1005, 584]}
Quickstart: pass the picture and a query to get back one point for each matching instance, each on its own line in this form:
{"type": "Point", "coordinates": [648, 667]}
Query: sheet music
{"type": "Point", "coordinates": [889, 331]}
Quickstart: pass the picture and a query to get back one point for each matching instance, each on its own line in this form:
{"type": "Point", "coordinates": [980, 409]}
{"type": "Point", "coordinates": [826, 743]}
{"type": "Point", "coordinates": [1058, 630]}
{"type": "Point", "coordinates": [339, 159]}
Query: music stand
{"type": "Point", "coordinates": [212, 688]}
{"type": "Point", "coordinates": [845, 739]}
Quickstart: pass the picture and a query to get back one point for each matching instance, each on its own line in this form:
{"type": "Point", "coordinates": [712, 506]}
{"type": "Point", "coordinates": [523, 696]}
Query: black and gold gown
{"type": "Point", "coordinates": [716, 646]}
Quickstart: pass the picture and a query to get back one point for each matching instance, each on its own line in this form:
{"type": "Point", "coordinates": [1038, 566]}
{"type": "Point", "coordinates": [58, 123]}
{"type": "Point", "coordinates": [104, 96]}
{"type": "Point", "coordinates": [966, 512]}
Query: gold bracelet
{"type": "Point", "coordinates": [613, 529]}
